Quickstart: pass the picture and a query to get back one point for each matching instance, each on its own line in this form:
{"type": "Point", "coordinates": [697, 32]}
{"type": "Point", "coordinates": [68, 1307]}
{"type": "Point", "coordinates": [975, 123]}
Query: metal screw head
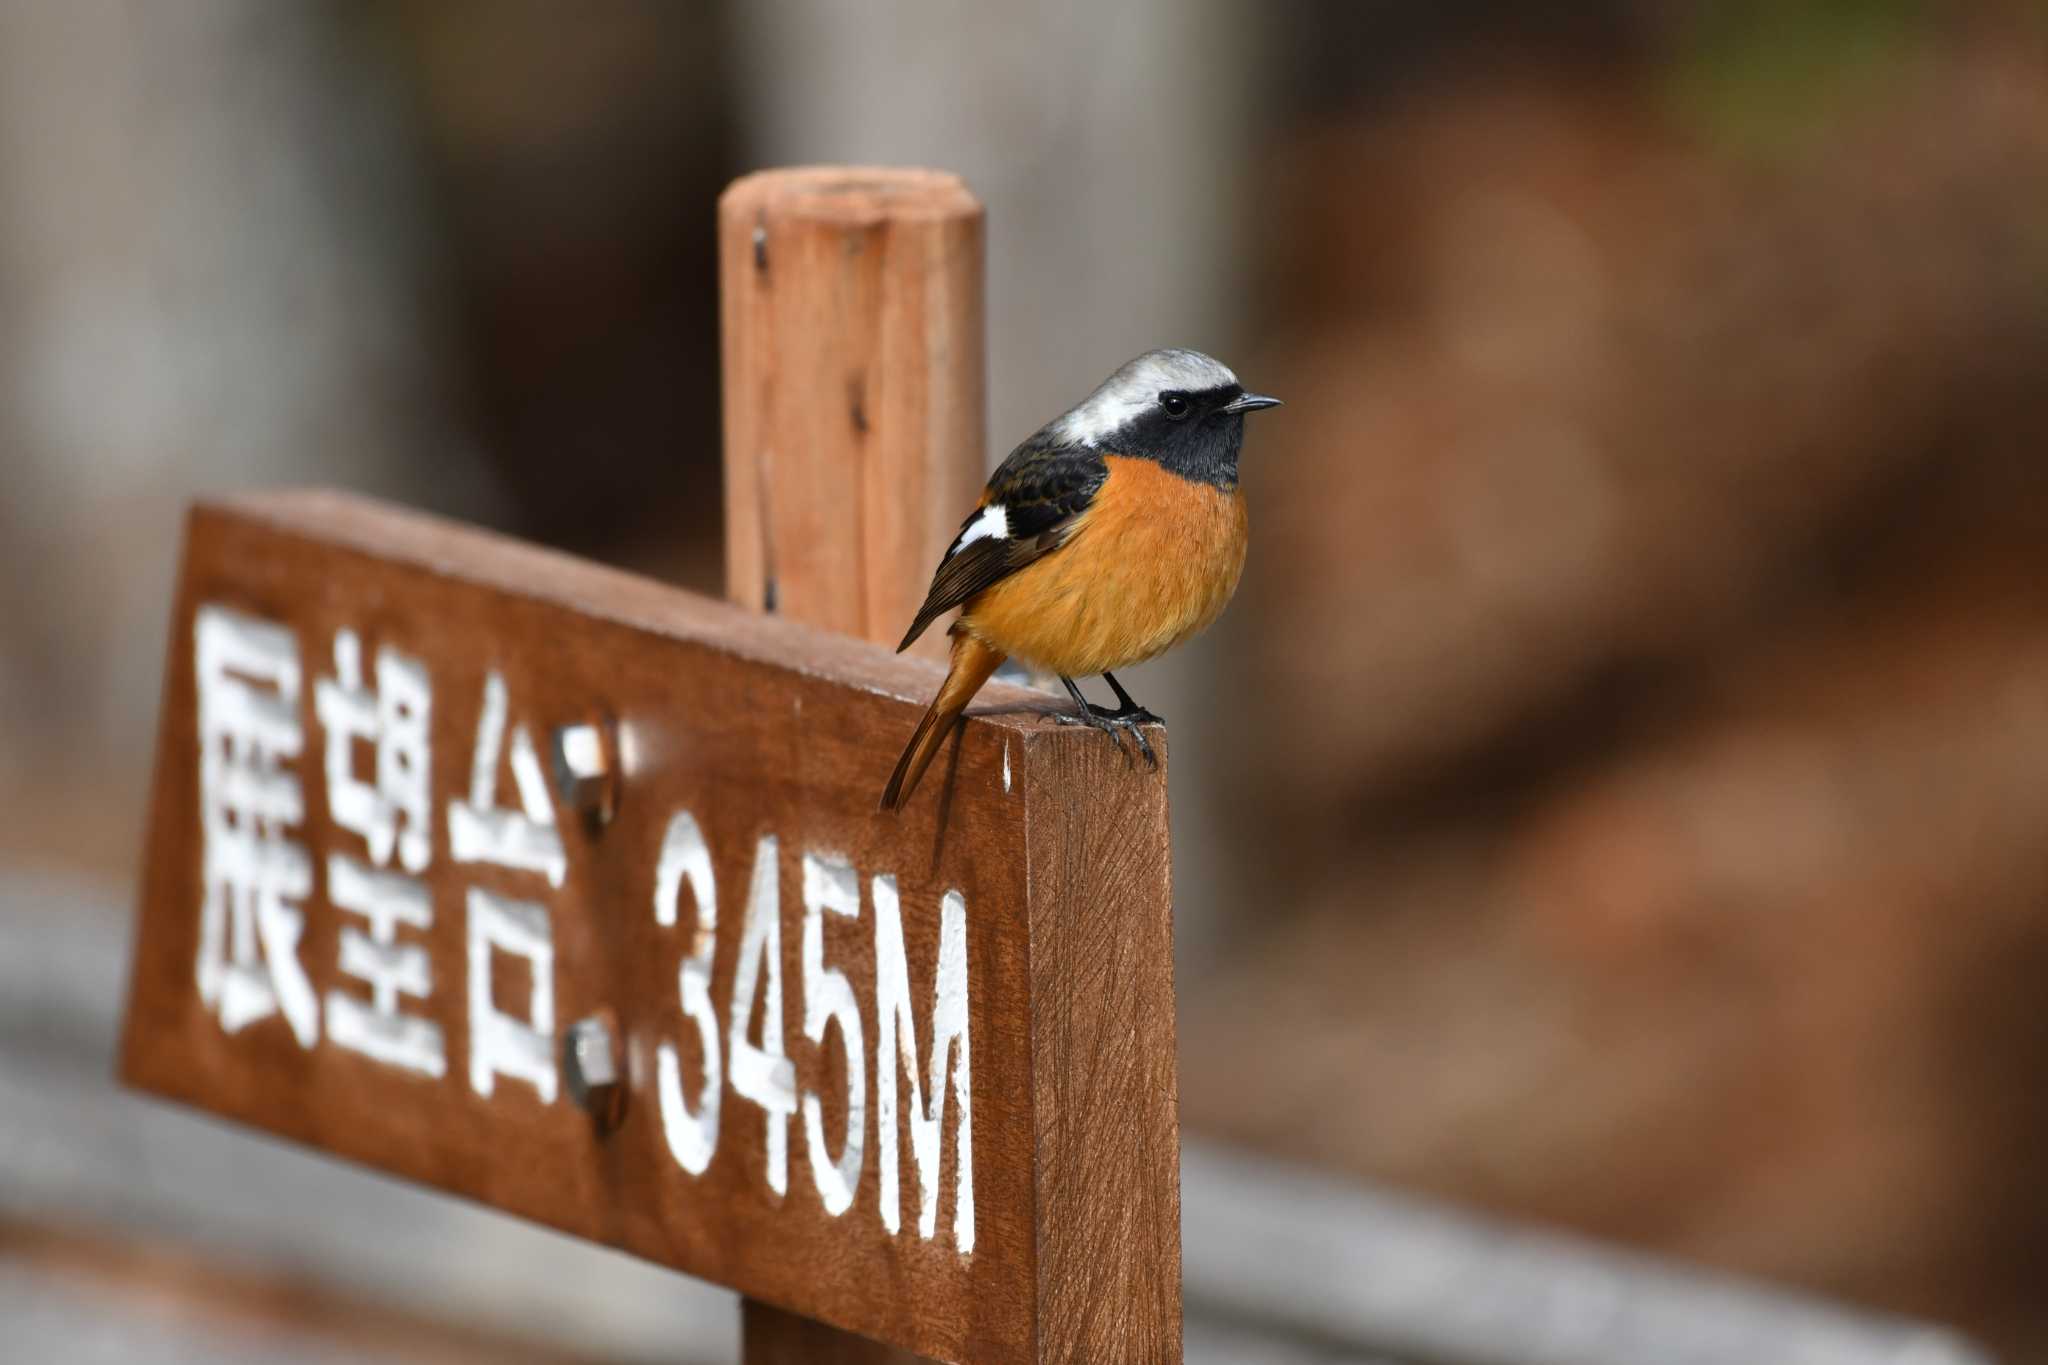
{"type": "Point", "coordinates": [590, 1067]}
{"type": "Point", "coordinates": [584, 758]}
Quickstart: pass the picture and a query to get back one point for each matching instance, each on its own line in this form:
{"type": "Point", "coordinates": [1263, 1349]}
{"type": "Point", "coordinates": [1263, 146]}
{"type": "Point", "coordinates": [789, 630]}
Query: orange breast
{"type": "Point", "coordinates": [1152, 561]}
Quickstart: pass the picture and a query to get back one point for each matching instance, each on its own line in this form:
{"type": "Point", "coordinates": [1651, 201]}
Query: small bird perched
{"type": "Point", "coordinates": [1112, 534]}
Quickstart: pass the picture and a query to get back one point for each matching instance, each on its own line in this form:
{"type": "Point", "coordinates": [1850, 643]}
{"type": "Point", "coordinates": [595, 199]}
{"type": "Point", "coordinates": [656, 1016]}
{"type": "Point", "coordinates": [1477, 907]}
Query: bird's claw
{"type": "Point", "coordinates": [1116, 724]}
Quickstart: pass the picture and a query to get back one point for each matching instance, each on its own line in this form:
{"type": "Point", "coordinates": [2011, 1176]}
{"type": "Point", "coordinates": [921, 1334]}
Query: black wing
{"type": "Point", "coordinates": [1040, 489]}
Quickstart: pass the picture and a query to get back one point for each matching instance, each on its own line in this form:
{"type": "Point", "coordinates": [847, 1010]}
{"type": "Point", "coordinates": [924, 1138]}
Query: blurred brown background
{"type": "Point", "coordinates": [1619, 797]}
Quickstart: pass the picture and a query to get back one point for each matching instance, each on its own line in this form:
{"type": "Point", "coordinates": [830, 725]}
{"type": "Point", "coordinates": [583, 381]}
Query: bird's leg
{"type": "Point", "coordinates": [1132, 716]}
{"type": "Point", "coordinates": [1115, 724]}
{"type": "Point", "coordinates": [1090, 714]}
{"type": "Point", "coordinates": [1127, 707]}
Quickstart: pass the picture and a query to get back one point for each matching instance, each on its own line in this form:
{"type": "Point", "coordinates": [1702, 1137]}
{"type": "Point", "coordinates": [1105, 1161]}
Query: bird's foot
{"type": "Point", "coordinates": [1116, 724]}
{"type": "Point", "coordinates": [1137, 715]}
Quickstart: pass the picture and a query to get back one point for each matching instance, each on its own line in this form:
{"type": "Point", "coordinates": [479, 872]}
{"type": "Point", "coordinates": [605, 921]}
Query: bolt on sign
{"type": "Point", "coordinates": [565, 891]}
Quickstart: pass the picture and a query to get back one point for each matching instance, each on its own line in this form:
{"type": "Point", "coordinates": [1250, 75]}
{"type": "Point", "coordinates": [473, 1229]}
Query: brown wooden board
{"type": "Point", "coordinates": [288, 870]}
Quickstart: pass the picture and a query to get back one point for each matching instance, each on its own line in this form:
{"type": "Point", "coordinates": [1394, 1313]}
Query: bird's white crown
{"type": "Point", "coordinates": [1135, 387]}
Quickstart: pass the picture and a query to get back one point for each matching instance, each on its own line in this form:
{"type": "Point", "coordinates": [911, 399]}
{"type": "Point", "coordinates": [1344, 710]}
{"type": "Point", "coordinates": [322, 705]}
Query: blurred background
{"type": "Point", "coordinates": [1617, 803]}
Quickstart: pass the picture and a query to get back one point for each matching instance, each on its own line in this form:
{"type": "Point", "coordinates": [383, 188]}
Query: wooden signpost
{"type": "Point", "coordinates": [566, 891]}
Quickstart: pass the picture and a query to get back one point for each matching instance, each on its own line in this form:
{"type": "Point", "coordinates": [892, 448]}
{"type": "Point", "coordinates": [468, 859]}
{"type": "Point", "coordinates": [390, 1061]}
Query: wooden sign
{"type": "Point", "coordinates": [565, 891]}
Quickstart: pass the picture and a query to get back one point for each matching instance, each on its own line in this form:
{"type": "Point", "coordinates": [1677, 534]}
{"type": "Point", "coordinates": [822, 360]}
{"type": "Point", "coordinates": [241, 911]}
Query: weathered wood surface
{"type": "Point", "coordinates": [758, 728]}
{"type": "Point", "coordinates": [854, 419]}
{"type": "Point", "coordinates": [1106, 1089]}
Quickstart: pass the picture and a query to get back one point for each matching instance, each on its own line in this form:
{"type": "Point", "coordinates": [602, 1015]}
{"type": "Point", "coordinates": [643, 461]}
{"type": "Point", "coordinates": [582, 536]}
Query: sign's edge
{"type": "Point", "coordinates": [486, 558]}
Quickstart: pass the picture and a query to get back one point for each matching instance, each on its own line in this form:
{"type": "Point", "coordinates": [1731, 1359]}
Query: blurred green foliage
{"type": "Point", "coordinates": [1767, 78]}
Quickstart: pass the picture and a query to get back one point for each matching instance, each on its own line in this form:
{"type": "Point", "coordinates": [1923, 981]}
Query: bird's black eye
{"type": "Point", "coordinates": [1176, 404]}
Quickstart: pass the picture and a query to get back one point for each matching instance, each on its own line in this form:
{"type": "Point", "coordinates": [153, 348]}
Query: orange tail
{"type": "Point", "coordinates": [973, 661]}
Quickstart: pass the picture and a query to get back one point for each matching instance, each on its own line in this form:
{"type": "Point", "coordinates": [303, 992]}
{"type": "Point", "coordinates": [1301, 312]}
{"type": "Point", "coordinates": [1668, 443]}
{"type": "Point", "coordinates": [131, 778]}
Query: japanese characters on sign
{"type": "Point", "coordinates": [372, 714]}
{"type": "Point", "coordinates": [386, 890]}
{"type": "Point", "coordinates": [562, 890]}
{"type": "Point", "coordinates": [256, 876]}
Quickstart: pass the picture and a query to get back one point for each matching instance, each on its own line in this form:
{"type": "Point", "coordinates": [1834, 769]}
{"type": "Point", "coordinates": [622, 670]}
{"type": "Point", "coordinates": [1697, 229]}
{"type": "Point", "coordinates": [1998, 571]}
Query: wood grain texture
{"type": "Point", "coordinates": [1105, 1090]}
{"type": "Point", "coordinates": [757, 726]}
{"type": "Point", "coordinates": [851, 301]}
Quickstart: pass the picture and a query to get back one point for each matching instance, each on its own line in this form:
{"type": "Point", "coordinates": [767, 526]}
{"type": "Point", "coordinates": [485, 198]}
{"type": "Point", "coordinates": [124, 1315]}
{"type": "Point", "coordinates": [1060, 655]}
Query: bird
{"type": "Point", "coordinates": [1110, 535]}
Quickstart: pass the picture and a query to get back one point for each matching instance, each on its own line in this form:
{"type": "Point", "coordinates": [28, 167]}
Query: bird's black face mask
{"type": "Point", "coordinates": [1195, 434]}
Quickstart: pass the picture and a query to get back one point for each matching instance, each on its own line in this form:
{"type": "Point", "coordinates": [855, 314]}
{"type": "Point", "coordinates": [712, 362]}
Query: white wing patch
{"type": "Point", "coordinates": [994, 521]}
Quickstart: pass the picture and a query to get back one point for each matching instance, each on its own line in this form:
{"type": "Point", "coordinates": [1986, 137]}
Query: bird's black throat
{"type": "Point", "coordinates": [1201, 447]}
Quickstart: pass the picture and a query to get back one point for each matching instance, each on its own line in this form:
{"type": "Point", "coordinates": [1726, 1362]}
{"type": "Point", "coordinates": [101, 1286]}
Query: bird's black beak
{"type": "Point", "coordinates": [1250, 402]}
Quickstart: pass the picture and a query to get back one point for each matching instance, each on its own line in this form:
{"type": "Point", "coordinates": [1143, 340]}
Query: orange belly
{"type": "Point", "coordinates": [1152, 561]}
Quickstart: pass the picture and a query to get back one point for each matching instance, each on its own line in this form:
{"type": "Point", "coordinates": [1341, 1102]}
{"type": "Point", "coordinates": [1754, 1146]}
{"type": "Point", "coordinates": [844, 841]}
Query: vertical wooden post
{"type": "Point", "coordinates": [851, 303]}
{"type": "Point", "coordinates": [854, 414]}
